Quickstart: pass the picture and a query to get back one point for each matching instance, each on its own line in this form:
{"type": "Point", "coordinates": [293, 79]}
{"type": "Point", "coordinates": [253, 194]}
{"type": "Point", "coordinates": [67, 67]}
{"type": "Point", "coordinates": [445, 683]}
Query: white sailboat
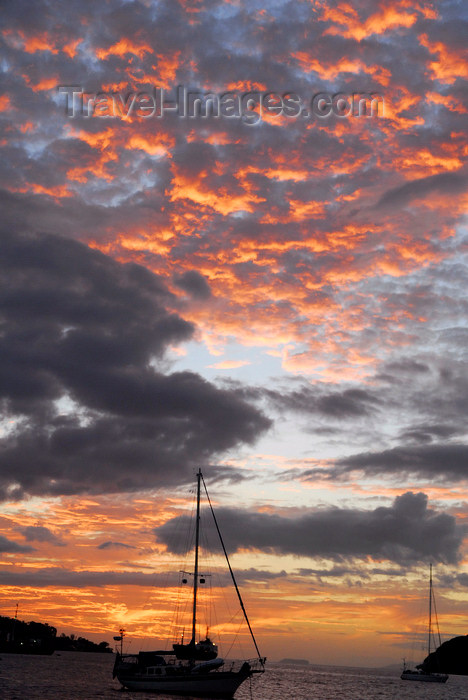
{"type": "Point", "coordinates": [190, 669]}
{"type": "Point", "coordinates": [419, 674]}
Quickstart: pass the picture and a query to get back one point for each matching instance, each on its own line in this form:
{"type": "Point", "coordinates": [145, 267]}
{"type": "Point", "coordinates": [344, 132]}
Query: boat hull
{"type": "Point", "coordinates": [424, 677]}
{"type": "Point", "coordinates": [214, 685]}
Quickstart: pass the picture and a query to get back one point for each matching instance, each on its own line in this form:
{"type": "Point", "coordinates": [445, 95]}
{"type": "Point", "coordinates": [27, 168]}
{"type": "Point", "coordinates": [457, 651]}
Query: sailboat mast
{"type": "Point", "coordinates": [430, 611]}
{"type": "Point", "coordinates": [262, 661]}
{"type": "Point", "coordinates": [195, 570]}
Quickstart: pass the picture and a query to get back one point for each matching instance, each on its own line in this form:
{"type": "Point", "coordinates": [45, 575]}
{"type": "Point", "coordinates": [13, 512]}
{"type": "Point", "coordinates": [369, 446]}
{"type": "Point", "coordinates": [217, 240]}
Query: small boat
{"type": "Point", "coordinates": [419, 674]}
{"type": "Point", "coordinates": [194, 668]}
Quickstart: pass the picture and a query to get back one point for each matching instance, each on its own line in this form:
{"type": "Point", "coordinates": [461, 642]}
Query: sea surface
{"type": "Point", "coordinates": [85, 676]}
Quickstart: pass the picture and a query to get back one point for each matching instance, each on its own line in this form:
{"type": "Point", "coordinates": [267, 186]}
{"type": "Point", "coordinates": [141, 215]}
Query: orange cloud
{"type": "Point", "coordinates": [331, 70]}
{"type": "Point", "coordinates": [155, 240]}
{"type": "Point", "coordinates": [199, 191]}
{"type": "Point", "coordinates": [154, 144]}
{"type": "Point", "coordinates": [191, 6]}
{"type": "Point", "coordinates": [44, 84]}
{"type": "Point", "coordinates": [164, 72]}
{"type": "Point", "coordinates": [230, 364]}
{"type": "Point", "coordinates": [33, 43]}
{"type": "Point", "coordinates": [401, 14]}
{"type": "Point", "coordinates": [71, 48]}
{"type": "Point", "coordinates": [124, 46]}
{"type": "Point", "coordinates": [246, 86]}
{"type": "Point", "coordinates": [39, 42]}
{"type": "Point", "coordinates": [57, 191]}
{"type": "Point", "coordinates": [398, 102]}
{"type": "Point", "coordinates": [217, 138]}
{"type": "Point", "coordinates": [115, 87]}
{"type": "Point", "coordinates": [449, 65]}
{"type": "Point", "coordinates": [5, 103]}
{"type": "Point", "coordinates": [106, 145]}
{"type": "Point", "coordinates": [422, 162]}
{"type": "Point", "coordinates": [450, 102]}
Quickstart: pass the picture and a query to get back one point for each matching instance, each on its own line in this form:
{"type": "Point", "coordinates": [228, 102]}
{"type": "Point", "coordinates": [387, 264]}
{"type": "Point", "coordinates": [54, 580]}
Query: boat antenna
{"type": "Point", "coordinates": [195, 575]}
{"type": "Point", "coordinates": [261, 659]}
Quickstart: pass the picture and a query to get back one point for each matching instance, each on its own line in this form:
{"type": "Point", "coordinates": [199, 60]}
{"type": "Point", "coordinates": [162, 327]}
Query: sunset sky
{"type": "Point", "coordinates": [275, 296]}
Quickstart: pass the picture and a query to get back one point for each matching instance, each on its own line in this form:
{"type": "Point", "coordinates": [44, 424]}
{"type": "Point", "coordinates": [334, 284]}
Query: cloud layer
{"type": "Point", "coordinates": [83, 337]}
{"type": "Point", "coordinates": [319, 263]}
{"type": "Point", "coordinates": [294, 223]}
{"type": "Point", "coordinates": [408, 531]}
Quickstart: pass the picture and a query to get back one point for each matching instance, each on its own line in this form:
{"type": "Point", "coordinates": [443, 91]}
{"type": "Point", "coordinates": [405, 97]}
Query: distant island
{"type": "Point", "coordinates": [295, 662]}
{"type": "Point", "coordinates": [18, 637]}
{"type": "Point", "coordinates": [450, 657]}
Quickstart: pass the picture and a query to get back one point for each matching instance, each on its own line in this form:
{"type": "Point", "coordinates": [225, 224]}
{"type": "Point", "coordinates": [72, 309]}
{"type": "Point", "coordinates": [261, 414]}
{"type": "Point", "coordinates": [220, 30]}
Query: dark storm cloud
{"type": "Point", "coordinates": [349, 403]}
{"type": "Point", "coordinates": [405, 532]}
{"type": "Point", "coordinates": [60, 577]}
{"type": "Point", "coordinates": [430, 394]}
{"type": "Point", "coordinates": [232, 475]}
{"type": "Point", "coordinates": [250, 575]}
{"type": "Point", "coordinates": [40, 533]}
{"type": "Point", "coordinates": [194, 284]}
{"type": "Point", "coordinates": [114, 545]}
{"type": "Point", "coordinates": [451, 580]}
{"type": "Point", "coordinates": [9, 547]}
{"type": "Point", "coordinates": [405, 366]}
{"type": "Point", "coordinates": [36, 212]}
{"type": "Point", "coordinates": [121, 453]}
{"type": "Point", "coordinates": [128, 411]}
{"type": "Point", "coordinates": [79, 325]}
{"type": "Point", "coordinates": [423, 404]}
{"type": "Point", "coordinates": [429, 432]}
{"type": "Point", "coordinates": [438, 462]}
{"type": "Point", "coordinates": [351, 572]}
{"type": "Point", "coordinates": [443, 183]}
{"type": "Point", "coordinates": [55, 576]}
{"type": "Point", "coordinates": [74, 319]}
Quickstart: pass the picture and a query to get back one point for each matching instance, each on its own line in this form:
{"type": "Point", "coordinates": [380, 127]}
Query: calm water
{"type": "Point", "coordinates": [81, 676]}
